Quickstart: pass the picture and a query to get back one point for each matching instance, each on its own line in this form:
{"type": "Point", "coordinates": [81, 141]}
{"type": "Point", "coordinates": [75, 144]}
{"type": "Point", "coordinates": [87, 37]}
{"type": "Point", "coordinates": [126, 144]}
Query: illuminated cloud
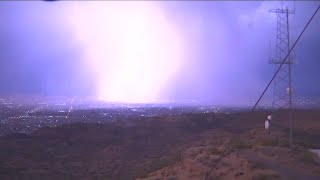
{"type": "Point", "coordinates": [132, 48]}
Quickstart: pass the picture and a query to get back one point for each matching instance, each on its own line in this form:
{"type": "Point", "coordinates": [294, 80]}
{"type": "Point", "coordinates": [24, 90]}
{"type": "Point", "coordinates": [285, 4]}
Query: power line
{"type": "Point", "coordinates": [306, 26]}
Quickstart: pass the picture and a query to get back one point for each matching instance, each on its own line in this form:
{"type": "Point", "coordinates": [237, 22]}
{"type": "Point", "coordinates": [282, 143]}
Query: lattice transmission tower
{"type": "Point", "coordinates": [282, 91]}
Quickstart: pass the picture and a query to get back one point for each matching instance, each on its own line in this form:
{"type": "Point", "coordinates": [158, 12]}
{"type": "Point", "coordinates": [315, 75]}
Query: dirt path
{"type": "Point", "coordinates": [284, 171]}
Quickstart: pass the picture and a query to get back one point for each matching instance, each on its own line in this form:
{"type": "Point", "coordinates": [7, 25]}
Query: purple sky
{"type": "Point", "coordinates": [226, 61]}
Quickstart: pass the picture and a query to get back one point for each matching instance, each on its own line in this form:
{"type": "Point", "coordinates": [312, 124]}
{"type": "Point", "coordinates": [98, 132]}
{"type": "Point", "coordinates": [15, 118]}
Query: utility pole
{"type": "Point", "coordinates": [290, 87]}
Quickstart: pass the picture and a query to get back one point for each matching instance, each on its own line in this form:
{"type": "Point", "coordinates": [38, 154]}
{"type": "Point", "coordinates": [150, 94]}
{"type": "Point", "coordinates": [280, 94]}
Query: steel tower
{"type": "Point", "coordinates": [282, 93]}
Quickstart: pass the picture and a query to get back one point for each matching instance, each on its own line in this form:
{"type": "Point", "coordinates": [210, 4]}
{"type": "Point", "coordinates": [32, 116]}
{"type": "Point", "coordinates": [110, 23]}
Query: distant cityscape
{"type": "Point", "coordinates": [24, 115]}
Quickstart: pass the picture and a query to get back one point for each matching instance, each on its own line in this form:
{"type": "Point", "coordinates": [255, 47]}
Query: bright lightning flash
{"type": "Point", "coordinates": [133, 49]}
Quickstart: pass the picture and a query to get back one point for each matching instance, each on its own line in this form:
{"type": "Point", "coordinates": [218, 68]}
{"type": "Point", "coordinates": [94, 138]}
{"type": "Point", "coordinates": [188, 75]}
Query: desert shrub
{"type": "Point", "coordinates": [257, 165]}
{"type": "Point", "coordinates": [308, 157]}
{"type": "Point", "coordinates": [269, 141]}
{"type": "Point", "coordinates": [265, 176]}
{"type": "Point", "coordinates": [239, 144]}
{"type": "Point", "coordinates": [158, 164]}
{"type": "Point", "coordinates": [306, 143]}
{"type": "Point", "coordinates": [214, 151]}
{"type": "Point", "coordinates": [283, 143]}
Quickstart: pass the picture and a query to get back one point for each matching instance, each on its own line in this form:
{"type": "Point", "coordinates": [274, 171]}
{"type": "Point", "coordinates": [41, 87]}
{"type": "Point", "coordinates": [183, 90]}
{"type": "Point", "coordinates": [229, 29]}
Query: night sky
{"type": "Point", "coordinates": [226, 50]}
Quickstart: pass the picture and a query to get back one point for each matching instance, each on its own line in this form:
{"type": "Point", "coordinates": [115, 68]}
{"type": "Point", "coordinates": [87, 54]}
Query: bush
{"type": "Point", "coordinates": [308, 157]}
{"type": "Point", "coordinates": [214, 151]}
{"type": "Point", "coordinates": [239, 144]}
{"type": "Point", "coordinates": [257, 165]}
{"type": "Point", "coordinates": [269, 142]}
{"type": "Point", "coordinates": [265, 176]}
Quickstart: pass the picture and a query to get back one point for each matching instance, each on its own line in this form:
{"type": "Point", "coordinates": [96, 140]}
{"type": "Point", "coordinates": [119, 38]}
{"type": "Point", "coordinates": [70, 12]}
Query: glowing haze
{"type": "Point", "coordinates": [205, 52]}
{"type": "Point", "coordinates": [133, 50]}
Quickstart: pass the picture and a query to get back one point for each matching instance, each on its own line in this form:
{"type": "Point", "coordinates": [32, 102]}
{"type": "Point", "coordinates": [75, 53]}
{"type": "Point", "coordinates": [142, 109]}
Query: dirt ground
{"type": "Point", "coordinates": [190, 146]}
